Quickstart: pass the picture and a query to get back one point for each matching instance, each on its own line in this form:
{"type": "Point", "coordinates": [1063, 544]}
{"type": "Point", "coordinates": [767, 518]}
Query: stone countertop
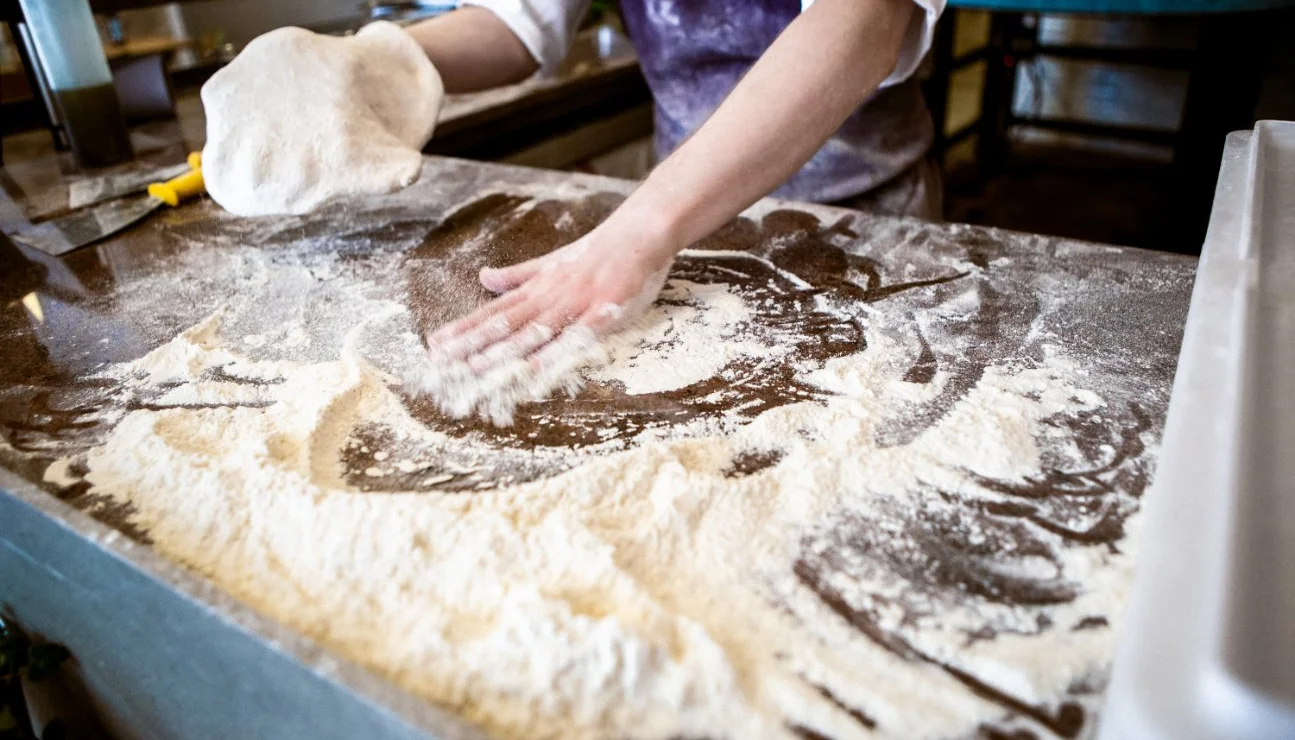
{"type": "Point", "coordinates": [956, 300]}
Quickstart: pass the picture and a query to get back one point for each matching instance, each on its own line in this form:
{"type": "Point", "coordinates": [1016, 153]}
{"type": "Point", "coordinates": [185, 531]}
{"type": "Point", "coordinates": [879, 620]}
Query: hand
{"type": "Point", "coordinates": [590, 287]}
{"type": "Point", "coordinates": [545, 327]}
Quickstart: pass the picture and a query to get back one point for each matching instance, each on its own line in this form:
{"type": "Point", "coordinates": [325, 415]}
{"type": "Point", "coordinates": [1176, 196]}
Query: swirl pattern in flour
{"type": "Point", "coordinates": [879, 494]}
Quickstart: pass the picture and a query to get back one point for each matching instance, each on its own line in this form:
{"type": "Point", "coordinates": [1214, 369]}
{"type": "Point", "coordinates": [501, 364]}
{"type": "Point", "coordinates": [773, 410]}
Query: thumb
{"type": "Point", "coordinates": [504, 279]}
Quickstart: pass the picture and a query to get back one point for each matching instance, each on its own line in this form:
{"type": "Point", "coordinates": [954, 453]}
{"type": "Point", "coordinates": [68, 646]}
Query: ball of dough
{"type": "Point", "coordinates": [298, 119]}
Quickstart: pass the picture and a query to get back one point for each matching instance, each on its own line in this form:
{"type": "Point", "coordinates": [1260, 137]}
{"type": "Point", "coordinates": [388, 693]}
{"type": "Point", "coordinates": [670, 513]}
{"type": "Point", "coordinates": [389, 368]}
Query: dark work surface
{"type": "Point", "coordinates": [1118, 312]}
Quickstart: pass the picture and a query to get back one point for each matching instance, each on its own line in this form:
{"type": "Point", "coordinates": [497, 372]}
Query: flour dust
{"type": "Point", "coordinates": [649, 586]}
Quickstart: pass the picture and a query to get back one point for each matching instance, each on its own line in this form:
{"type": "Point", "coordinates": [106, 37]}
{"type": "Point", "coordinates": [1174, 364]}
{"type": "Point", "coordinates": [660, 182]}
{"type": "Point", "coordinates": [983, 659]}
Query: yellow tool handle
{"type": "Point", "coordinates": [175, 191]}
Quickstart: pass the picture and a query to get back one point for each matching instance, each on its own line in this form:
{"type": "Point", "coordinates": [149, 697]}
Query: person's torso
{"type": "Point", "coordinates": [693, 52]}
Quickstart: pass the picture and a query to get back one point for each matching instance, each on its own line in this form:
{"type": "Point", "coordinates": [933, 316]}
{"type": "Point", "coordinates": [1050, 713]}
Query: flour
{"type": "Point", "coordinates": [648, 591]}
{"type": "Point", "coordinates": [688, 337]}
{"type": "Point", "coordinates": [59, 473]}
{"type": "Point", "coordinates": [460, 389]}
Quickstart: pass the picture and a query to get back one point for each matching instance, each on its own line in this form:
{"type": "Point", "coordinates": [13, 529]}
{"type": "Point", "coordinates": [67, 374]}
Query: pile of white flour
{"type": "Point", "coordinates": [646, 593]}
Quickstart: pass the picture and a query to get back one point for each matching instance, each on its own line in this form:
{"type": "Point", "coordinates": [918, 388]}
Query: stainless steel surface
{"type": "Point", "coordinates": [82, 228]}
{"type": "Point", "coordinates": [93, 190]}
{"type": "Point", "coordinates": [25, 38]}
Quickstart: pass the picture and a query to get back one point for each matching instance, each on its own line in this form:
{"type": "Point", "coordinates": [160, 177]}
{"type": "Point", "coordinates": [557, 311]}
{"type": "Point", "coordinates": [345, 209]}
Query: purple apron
{"type": "Point", "coordinates": [693, 52]}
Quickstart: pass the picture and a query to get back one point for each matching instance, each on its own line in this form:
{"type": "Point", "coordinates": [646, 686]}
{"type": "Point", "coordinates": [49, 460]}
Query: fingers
{"type": "Point", "coordinates": [504, 279]}
{"type": "Point", "coordinates": [496, 320]}
{"type": "Point", "coordinates": [531, 332]}
{"type": "Point", "coordinates": [516, 335]}
{"type": "Point", "coordinates": [527, 364]}
{"type": "Point", "coordinates": [492, 323]}
{"type": "Point", "coordinates": [536, 340]}
{"type": "Point", "coordinates": [577, 339]}
{"type": "Point", "coordinates": [557, 365]}
{"type": "Point", "coordinates": [514, 326]}
{"type": "Point", "coordinates": [510, 330]}
{"type": "Point", "coordinates": [471, 321]}
{"type": "Point", "coordinates": [517, 346]}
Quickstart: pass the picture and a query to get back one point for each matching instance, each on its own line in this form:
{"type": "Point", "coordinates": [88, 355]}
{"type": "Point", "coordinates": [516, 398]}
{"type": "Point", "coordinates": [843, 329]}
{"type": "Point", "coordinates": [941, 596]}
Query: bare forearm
{"type": "Point", "coordinates": [827, 62]}
{"type": "Point", "coordinates": [473, 50]}
{"type": "Point", "coordinates": [822, 67]}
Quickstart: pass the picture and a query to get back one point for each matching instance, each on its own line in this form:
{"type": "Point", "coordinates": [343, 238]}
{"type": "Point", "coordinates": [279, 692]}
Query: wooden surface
{"type": "Point", "coordinates": [14, 82]}
{"type": "Point", "coordinates": [140, 46]}
{"type": "Point", "coordinates": [598, 96]}
{"type": "Point", "coordinates": [1118, 312]}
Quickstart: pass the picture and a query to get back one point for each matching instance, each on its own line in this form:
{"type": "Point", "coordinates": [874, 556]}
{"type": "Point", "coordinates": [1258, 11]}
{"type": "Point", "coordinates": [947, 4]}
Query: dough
{"type": "Point", "coordinates": [299, 118]}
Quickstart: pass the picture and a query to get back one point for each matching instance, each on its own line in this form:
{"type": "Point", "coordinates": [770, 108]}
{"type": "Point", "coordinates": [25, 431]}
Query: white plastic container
{"type": "Point", "coordinates": [1208, 649]}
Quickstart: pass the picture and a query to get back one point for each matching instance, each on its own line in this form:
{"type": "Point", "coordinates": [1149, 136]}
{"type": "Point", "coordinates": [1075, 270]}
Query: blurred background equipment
{"type": "Point", "coordinates": [1092, 119]}
{"type": "Point", "coordinates": [67, 64]}
{"type": "Point", "coordinates": [1103, 119]}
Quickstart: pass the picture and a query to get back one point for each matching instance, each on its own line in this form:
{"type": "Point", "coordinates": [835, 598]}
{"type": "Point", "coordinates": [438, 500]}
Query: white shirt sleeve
{"type": "Point", "coordinates": [545, 27]}
{"type": "Point", "coordinates": [921, 31]}
{"type": "Point", "coordinates": [917, 40]}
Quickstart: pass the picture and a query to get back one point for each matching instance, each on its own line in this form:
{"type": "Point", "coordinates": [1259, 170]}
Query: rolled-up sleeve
{"type": "Point", "coordinates": [917, 41]}
{"type": "Point", "coordinates": [545, 27]}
